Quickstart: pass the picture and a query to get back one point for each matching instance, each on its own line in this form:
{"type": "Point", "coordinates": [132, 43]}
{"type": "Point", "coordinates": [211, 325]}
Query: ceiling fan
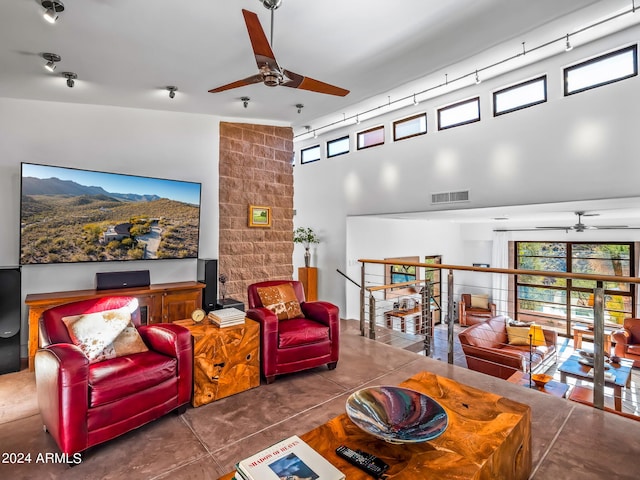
{"type": "Point", "coordinates": [270, 73]}
{"type": "Point", "coordinates": [578, 227]}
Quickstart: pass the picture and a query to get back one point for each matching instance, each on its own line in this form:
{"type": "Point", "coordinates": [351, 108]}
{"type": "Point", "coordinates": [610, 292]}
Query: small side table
{"type": "Point", "coordinates": [226, 360]}
{"type": "Point", "coordinates": [229, 303]}
{"type": "Point", "coordinates": [552, 387]}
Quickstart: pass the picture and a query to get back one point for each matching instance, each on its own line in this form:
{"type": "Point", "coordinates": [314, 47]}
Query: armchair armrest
{"type": "Point", "coordinates": [323, 312]}
{"type": "Point", "coordinates": [174, 341]}
{"type": "Point", "coordinates": [621, 336]}
{"type": "Point", "coordinates": [166, 338]}
{"type": "Point", "coordinates": [268, 338]}
{"type": "Point", "coordinates": [62, 381]}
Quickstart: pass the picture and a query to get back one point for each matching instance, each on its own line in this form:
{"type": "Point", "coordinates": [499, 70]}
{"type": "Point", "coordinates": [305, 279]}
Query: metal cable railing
{"type": "Point", "coordinates": [417, 305]}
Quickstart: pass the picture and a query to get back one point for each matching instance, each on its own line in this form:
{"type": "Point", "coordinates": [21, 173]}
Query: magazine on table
{"type": "Point", "coordinates": [291, 458]}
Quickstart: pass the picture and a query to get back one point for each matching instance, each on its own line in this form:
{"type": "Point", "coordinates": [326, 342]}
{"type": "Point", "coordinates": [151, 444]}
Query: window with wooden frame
{"type": "Point", "coordinates": [457, 114]}
{"type": "Point", "coordinates": [523, 95]}
{"type": "Point", "coordinates": [603, 70]}
{"type": "Point", "coordinates": [370, 138]}
{"type": "Point", "coordinates": [410, 127]}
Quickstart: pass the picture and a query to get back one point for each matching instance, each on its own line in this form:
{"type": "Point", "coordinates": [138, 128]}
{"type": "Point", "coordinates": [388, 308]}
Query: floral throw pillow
{"type": "Point", "coordinates": [105, 335]}
{"type": "Point", "coordinates": [281, 300]}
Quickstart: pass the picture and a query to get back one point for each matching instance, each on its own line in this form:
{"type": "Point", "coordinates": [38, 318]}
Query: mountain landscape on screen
{"type": "Point", "coordinates": [68, 220]}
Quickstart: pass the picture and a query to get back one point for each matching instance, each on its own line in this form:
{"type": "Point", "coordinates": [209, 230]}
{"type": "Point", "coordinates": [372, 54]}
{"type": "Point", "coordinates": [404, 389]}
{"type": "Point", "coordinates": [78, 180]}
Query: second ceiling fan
{"type": "Point", "coordinates": [270, 73]}
{"type": "Point", "coordinates": [578, 227]}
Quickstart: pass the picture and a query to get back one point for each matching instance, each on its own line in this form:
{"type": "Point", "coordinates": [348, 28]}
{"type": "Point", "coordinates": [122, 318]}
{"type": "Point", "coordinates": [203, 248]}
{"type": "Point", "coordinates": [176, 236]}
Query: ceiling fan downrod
{"type": "Point", "coordinates": [271, 5]}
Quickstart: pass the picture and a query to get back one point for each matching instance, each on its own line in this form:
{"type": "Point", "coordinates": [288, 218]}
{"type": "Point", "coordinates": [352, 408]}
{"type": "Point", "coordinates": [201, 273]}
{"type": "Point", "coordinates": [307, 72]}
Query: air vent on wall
{"type": "Point", "coordinates": [450, 197]}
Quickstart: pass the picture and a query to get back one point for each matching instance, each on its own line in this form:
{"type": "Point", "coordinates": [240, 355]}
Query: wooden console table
{"type": "Point", "coordinates": [488, 436]}
{"type": "Point", "coordinates": [226, 360]}
{"type": "Point", "coordinates": [159, 303]}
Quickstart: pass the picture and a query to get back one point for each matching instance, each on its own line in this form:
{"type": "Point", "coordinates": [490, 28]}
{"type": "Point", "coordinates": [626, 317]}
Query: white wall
{"type": "Point", "coordinates": [379, 238]}
{"type": "Point", "coordinates": [122, 140]}
{"type": "Point", "coordinates": [575, 148]}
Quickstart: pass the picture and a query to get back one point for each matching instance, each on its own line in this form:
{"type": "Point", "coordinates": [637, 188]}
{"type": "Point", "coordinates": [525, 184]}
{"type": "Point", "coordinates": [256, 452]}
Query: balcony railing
{"type": "Point", "coordinates": [419, 301]}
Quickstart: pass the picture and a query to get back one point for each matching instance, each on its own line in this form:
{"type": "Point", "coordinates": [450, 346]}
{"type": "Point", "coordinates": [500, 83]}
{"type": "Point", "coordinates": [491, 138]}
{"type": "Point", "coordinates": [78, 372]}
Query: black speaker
{"type": "Point", "coordinates": [208, 274]}
{"type": "Point", "coordinates": [112, 280]}
{"type": "Point", "coordinates": [10, 302]}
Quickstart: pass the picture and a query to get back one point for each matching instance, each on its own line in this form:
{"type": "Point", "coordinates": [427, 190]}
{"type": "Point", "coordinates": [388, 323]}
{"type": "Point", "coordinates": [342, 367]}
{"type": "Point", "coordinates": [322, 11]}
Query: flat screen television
{"type": "Point", "coordinates": [69, 215]}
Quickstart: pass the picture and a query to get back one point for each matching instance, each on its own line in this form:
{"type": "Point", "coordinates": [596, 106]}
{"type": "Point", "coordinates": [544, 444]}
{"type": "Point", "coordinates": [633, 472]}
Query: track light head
{"type": "Point", "coordinates": [245, 101]}
{"type": "Point", "coordinates": [415, 100]}
{"type": "Point", "coordinates": [478, 81]}
{"type": "Point", "coordinates": [299, 106]}
{"type": "Point", "coordinates": [53, 7]}
{"type": "Point", "coordinates": [172, 91]}
{"type": "Point", "coordinates": [51, 59]}
{"type": "Point", "coordinates": [70, 76]}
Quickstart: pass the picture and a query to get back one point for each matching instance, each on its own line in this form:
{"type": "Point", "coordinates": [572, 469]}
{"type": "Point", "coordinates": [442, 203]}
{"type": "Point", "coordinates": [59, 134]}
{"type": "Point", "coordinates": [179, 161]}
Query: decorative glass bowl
{"type": "Point", "coordinates": [396, 414]}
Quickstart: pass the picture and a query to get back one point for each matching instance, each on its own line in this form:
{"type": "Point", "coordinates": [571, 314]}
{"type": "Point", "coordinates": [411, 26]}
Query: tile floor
{"type": "Point", "coordinates": [569, 441]}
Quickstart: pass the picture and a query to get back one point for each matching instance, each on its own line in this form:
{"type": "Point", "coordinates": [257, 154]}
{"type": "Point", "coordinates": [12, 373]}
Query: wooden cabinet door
{"type": "Point", "coordinates": [179, 305]}
{"type": "Point", "coordinates": [150, 310]}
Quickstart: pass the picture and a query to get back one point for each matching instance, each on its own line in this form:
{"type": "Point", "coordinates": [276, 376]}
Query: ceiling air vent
{"type": "Point", "coordinates": [450, 197]}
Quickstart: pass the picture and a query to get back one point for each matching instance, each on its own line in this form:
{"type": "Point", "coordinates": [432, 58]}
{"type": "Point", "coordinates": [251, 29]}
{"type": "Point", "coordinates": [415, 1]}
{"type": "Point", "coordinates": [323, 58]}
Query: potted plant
{"type": "Point", "coordinates": [306, 236]}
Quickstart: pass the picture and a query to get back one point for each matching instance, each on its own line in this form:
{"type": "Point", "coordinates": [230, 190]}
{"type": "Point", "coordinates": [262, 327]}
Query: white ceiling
{"type": "Point", "coordinates": [125, 52]}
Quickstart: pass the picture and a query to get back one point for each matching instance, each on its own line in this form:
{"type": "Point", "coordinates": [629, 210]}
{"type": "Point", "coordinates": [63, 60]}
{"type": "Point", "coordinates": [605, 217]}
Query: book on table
{"type": "Point", "coordinates": [290, 458]}
{"type": "Point", "coordinates": [227, 317]}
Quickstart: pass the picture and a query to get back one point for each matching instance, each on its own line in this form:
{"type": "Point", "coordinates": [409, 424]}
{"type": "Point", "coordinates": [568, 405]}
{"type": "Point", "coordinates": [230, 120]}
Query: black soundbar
{"type": "Point", "coordinates": [113, 280]}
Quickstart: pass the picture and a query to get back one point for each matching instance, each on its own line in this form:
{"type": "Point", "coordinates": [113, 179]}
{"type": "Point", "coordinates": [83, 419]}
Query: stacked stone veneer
{"type": "Point", "coordinates": [255, 169]}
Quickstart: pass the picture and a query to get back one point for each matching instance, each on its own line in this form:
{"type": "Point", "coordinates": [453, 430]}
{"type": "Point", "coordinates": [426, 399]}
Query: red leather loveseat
{"type": "Point", "coordinates": [487, 349]}
{"type": "Point", "coordinates": [310, 339]}
{"type": "Point", "coordinates": [83, 404]}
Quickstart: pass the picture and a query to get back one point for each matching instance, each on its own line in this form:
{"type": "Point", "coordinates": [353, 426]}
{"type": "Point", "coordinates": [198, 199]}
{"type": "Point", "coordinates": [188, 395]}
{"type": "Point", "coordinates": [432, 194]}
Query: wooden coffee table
{"type": "Point", "coordinates": [573, 368]}
{"type": "Point", "coordinates": [552, 387]}
{"type": "Point", "coordinates": [488, 436]}
{"type": "Point", "coordinates": [580, 331]}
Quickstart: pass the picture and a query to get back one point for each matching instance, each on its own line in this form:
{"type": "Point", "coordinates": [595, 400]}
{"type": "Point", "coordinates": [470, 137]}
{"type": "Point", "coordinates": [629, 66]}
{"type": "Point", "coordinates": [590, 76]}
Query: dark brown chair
{"type": "Point", "coordinates": [310, 339]}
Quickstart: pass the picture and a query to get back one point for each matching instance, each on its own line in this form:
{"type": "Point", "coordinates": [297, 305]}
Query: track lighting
{"type": "Point", "coordinates": [70, 76]}
{"type": "Point", "coordinates": [172, 91]}
{"type": "Point", "coordinates": [53, 7]}
{"type": "Point", "coordinates": [415, 101]}
{"type": "Point", "coordinates": [568, 47]}
{"type": "Point", "coordinates": [51, 59]}
{"type": "Point", "coordinates": [299, 106]}
{"type": "Point", "coordinates": [245, 101]}
{"type": "Point", "coordinates": [478, 78]}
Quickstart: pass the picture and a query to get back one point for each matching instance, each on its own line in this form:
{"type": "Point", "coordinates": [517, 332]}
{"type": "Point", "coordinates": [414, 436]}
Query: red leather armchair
{"type": "Point", "coordinates": [295, 344]}
{"type": "Point", "coordinates": [83, 404]}
{"type": "Point", "coordinates": [628, 340]}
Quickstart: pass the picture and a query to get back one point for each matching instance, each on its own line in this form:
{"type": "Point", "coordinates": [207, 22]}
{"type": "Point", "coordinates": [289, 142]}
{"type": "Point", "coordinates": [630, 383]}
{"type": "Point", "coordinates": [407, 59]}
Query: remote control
{"type": "Point", "coordinates": [363, 460]}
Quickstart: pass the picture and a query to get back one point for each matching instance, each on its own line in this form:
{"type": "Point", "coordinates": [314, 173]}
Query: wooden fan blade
{"type": "Point", "coordinates": [239, 83]}
{"type": "Point", "coordinates": [259, 43]}
{"type": "Point", "coordinates": [305, 83]}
